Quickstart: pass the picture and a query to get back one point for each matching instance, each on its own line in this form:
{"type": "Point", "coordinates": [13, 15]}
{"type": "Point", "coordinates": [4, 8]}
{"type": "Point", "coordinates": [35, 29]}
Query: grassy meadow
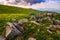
{"type": "Point", "coordinates": [7, 13]}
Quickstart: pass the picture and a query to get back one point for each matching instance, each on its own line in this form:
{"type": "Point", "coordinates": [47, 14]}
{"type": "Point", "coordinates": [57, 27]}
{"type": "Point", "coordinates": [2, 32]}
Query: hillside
{"type": "Point", "coordinates": [10, 9]}
{"type": "Point", "coordinates": [7, 13]}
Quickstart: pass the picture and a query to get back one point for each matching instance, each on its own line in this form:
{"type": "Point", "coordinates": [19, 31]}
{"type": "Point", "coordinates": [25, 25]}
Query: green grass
{"type": "Point", "coordinates": [15, 10]}
{"type": "Point", "coordinates": [7, 13]}
{"type": "Point", "coordinates": [57, 17]}
{"type": "Point", "coordinates": [4, 18]}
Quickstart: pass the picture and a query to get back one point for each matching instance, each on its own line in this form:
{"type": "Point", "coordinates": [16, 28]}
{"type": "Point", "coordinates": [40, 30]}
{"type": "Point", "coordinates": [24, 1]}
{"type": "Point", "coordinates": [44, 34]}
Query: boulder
{"type": "Point", "coordinates": [34, 22]}
{"type": "Point", "coordinates": [31, 38]}
{"type": "Point", "coordinates": [19, 27]}
{"type": "Point", "coordinates": [49, 31]}
{"type": "Point", "coordinates": [54, 28]}
{"type": "Point", "coordinates": [51, 15]}
{"type": "Point", "coordinates": [47, 18]}
{"type": "Point", "coordinates": [58, 26]}
{"type": "Point", "coordinates": [55, 22]}
{"type": "Point", "coordinates": [21, 21]}
{"type": "Point", "coordinates": [39, 20]}
{"type": "Point", "coordinates": [32, 16]}
{"type": "Point", "coordinates": [11, 30]}
{"type": "Point", "coordinates": [58, 31]}
{"type": "Point", "coordinates": [39, 16]}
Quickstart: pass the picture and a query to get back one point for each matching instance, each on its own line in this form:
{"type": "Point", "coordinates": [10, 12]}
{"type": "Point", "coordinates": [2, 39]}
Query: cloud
{"type": "Point", "coordinates": [47, 4]}
{"type": "Point", "coordinates": [37, 4]}
{"type": "Point", "coordinates": [21, 1]}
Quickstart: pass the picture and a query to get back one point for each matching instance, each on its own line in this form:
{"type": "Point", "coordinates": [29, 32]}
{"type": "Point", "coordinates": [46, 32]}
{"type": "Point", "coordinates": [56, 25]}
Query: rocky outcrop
{"type": "Point", "coordinates": [17, 27]}
{"type": "Point", "coordinates": [54, 28]}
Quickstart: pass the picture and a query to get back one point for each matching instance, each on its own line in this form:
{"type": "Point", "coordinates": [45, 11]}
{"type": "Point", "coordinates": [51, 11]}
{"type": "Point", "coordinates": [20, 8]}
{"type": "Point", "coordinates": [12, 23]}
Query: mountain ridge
{"type": "Point", "coordinates": [13, 9]}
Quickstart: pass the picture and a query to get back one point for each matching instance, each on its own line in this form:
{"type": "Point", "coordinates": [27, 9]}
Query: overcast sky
{"type": "Point", "coordinates": [46, 4]}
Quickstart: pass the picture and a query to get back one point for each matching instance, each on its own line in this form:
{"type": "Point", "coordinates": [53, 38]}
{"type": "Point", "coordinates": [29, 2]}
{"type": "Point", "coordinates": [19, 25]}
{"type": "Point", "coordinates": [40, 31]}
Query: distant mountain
{"type": "Point", "coordinates": [49, 9]}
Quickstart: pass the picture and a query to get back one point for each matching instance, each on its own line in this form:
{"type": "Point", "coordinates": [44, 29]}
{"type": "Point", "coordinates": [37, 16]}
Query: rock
{"type": "Point", "coordinates": [32, 17]}
{"type": "Point", "coordinates": [58, 21]}
{"type": "Point", "coordinates": [23, 21]}
{"type": "Point", "coordinates": [34, 22]}
{"type": "Point", "coordinates": [54, 28]}
{"type": "Point", "coordinates": [49, 31]}
{"type": "Point", "coordinates": [39, 20]}
{"type": "Point", "coordinates": [47, 18]}
{"type": "Point", "coordinates": [11, 30]}
{"type": "Point", "coordinates": [55, 22]}
{"type": "Point", "coordinates": [50, 14]}
{"type": "Point", "coordinates": [19, 37]}
{"type": "Point", "coordinates": [31, 38]}
{"type": "Point", "coordinates": [58, 31]}
{"type": "Point", "coordinates": [2, 38]}
{"type": "Point", "coordinates": [48, 27]}
{"type": "Point", "coordinates": [19, 27]}
{"type": "Point", "coordinates": [58, 26]}
{"type": "Point", "coordinates": [39, 16]}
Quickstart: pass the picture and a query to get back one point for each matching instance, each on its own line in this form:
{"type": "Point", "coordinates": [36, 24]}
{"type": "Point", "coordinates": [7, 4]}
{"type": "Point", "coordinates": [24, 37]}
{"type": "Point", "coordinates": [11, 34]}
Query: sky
{"type": "Point", "coordinates": [48, 4]}
{"type": "Point", "coordinates": [39, 4]}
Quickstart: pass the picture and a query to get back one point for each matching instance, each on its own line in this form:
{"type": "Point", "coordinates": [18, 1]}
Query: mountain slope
{"type": "Point", "coordinates": [7, 13]}
{"type": "Point", "coordinates": [10, 9]}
